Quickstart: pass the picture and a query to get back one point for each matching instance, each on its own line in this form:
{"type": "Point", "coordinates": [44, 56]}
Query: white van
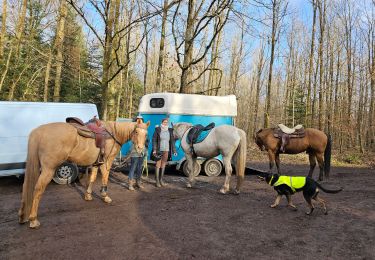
{"type": "Point", "coordinates": [17, 119]}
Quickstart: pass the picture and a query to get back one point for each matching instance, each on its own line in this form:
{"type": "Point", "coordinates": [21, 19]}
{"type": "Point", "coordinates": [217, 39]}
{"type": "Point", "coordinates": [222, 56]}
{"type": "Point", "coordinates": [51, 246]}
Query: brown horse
{"type": "Point", "coordinates": [316, 144]}
{"type": "Point", "coordinates": [52, 144]}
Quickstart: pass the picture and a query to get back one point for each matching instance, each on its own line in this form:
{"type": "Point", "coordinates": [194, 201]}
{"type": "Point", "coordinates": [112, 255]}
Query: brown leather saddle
{"type": "Point", "coordinates": [285, 134]}
{"type": "Point", "coordinates": [94, 129]}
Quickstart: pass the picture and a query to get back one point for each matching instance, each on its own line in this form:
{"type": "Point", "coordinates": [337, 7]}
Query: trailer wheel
{"type": "Point", "coordinates": [197, 169]}
{"type": "Point", "coordinates": [66, 173]}
{"type": "Point", "coordinates": [212, 167]}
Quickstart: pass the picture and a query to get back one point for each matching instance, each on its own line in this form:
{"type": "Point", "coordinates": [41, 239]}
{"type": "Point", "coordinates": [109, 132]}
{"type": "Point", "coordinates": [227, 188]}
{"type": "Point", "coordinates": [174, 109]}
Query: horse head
{"type": "Point", "coordinates": [139, 135]}
{"type": "Point", "coordinates": [180, 129]}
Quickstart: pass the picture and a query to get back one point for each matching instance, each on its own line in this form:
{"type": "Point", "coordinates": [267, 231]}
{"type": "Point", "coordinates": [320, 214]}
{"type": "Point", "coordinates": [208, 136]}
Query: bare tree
{"type": "Point", "coordinates": [105, 10]}
{"type": "Point", "coordinates": [278, 12]}
{"type": "Point", "coordinates": [199, 16]}
{"type": "Point", "coordinates": [308, 117]}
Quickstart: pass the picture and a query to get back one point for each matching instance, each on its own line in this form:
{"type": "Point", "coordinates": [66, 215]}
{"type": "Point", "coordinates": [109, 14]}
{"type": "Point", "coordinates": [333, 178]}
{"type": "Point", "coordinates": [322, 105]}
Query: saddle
{"type": "Point", "coordinates": [285, 133]}
{"type": "Point", "coordinates": [197, 134]}
{"type": "Point", "coordinates": [94, 129]}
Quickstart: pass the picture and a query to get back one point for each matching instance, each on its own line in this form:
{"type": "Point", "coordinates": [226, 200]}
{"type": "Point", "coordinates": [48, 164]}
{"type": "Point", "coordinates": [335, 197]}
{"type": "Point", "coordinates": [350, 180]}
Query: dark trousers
{"type": "Point", "coordinates": [136, 168]}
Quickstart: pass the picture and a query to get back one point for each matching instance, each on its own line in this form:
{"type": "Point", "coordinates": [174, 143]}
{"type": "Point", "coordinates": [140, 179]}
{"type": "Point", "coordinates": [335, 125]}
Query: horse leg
{"type": "Point", "coordinates": [312, 164]}
{"type": "Point", "coordinates": [191, 163]}
{"type": "Point", "coordinates": [228, 173]}
{"type": "Point", "coordinates": [43, 180]}
{"type": "Point", "coordinates": [104, 189]}
{"type": "Point", "coordinates": [94, 172]}
{"type": "Point", "coordinates": [277, 161]}
{"type": "Point", "coordinates": [271, 156]}
{"type": "Point", "coordinates": [319, 157]}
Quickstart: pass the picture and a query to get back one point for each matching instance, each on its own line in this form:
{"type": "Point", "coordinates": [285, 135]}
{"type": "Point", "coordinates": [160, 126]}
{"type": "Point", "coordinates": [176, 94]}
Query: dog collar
{"type": "Point", "coordinates": [270, 180]}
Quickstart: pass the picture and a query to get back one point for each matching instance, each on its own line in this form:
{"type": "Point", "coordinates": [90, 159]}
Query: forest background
{"type": "Point", "coordinates": [309, 62]}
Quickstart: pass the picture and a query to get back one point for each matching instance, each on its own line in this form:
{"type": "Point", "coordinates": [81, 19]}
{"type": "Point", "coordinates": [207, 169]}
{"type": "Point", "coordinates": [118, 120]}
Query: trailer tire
{"type": "Point", "coordinates": [197, 169]}
{"type": "Point", "coordinates": [212, 167]}
{"type": "Point", "coordinates": [66, 173]}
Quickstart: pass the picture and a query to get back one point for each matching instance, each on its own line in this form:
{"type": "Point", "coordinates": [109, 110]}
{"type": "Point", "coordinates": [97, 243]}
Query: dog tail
{"type": "Point", "coordinates": [328, 190]}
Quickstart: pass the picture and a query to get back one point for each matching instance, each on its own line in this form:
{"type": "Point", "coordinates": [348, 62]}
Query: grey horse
{"type": "Point", "coordinates": [227, 140]}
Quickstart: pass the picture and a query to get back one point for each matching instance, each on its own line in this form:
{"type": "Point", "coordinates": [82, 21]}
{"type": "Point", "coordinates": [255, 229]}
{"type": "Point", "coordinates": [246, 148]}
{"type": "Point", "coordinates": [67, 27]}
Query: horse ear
{"type": "Point", "coordinates": [172, 124]}
{"type": "Point", "coordinates": [148, 123]}
{"type": "Point", "coordinates": [139, 121]}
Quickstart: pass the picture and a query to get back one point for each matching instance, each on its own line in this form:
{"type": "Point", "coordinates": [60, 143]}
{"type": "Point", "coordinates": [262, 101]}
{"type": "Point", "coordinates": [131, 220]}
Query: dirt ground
{"type": "Point", "coordinates": [198, 223]}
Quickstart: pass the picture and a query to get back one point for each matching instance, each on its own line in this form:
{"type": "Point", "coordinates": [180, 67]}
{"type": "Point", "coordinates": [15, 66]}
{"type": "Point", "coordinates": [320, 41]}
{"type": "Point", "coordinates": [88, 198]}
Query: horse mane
{"type": "Point", "coordinates": [122, 130]}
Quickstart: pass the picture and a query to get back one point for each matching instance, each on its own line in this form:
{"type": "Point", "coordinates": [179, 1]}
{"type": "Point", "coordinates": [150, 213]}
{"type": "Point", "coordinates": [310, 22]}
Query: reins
{"type": "Point", "coordinates": [114, 138]}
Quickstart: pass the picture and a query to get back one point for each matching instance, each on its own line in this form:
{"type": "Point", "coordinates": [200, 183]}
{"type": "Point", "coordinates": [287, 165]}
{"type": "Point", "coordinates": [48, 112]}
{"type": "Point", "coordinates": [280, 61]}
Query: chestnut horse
{"type": "Point", "coordinates": [52, 144]}
{"type": "Point", "coordinates": [315, 143]}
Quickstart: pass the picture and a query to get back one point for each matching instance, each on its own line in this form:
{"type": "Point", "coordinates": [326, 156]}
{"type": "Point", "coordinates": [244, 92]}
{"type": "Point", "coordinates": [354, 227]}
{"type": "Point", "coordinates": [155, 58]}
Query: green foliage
{"type": "Point", "coordinates": [352, 159]}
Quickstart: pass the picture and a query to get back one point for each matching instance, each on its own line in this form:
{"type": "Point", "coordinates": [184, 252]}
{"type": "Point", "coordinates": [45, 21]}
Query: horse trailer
{"type": "Point", "coordinates": [18, 119]}
{"type": "Point", "coordinates": [190, 108]}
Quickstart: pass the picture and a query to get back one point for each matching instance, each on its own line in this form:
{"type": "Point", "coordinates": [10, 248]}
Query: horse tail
{"type": "Point", "coordinates": [327, 156]}
{"type": "Point", "coordinates": [327, 190]}
{"type": "Point", "coordinates": [31, 177]}
{"type": "Point", "coordinates": [240, 156]}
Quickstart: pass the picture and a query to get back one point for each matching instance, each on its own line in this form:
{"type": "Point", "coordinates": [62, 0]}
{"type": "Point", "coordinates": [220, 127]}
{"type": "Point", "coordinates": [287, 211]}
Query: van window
{"type": "Point", "coordinates": [157, 102]}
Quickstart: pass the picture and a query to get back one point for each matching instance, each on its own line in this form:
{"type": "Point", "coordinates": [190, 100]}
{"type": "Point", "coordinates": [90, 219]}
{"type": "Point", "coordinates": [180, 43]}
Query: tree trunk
{"type": "Point", "coordinates": [161, 47]}
{"type": "Point", "coordinates": [20, 26]}
{"type": "Point", "coordinates": [106, 61]}
{"type": "Point", "coordinates": [6, 68]}
{"type": "Point", "coordinates": [59, 40]}
{"type": "Point", "coordinates": [188, 51]}
{"type": "Point", "coordinates": [275, 12]}
{"type": "Point", "coordinates": [46, 78]}
{"type": "Point", "coordinates": [3, 34]}
{"type": "Point", "coordinates": [308, 113]}
{"type": "Point", "coordinates": [322, 11]}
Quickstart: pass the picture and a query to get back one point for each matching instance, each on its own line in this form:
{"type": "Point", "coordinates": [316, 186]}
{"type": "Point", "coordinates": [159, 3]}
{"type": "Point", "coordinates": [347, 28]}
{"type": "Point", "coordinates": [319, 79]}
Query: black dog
{"type": "Point", "coordinates": [288, 185]}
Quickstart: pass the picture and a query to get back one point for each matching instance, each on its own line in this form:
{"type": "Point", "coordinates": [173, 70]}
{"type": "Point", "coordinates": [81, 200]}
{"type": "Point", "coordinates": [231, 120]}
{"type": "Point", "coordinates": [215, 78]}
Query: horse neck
{"type": "Point", "coordinates": [182, 130]}
{"type": "Point", "coordinates": [122, 130]}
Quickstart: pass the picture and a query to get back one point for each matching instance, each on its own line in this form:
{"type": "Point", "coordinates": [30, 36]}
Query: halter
{"type": "Point", "coordinates": [135, 128]}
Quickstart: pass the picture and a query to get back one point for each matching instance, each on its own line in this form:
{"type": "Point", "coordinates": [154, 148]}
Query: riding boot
{"type": "Point", "coordinates": [161, 177]}
{"type": "Point", "coordinates": [139, 184]}
{"type": "Point", "coordinates": [157, 177]}
{"type": "Point", "coordinates": [131, 185]}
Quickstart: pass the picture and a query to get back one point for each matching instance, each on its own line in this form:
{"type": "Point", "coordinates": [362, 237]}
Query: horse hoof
{"type": "Point", "coordinates": [107, 199]}
{"type": "Point", "coordinates": [236, 192]}
{"type": "Point", "coordinates": [34, 224]}
{"type": "Point", "coordinates": [223, 191]}
{"type": "Point", "coordinates": [188, 185]}
{"type": "Point", "coordinates": [22, 221]}
{"type": "Point", "coordinates": [88, 197]}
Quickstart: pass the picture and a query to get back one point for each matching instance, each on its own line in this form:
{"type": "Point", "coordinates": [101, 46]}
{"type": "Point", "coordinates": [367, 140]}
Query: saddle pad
{"type": "Point", "coordinates": [200, 137]}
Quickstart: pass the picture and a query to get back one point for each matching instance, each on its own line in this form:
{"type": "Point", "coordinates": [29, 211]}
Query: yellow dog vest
{"type": "Point", "coordinates": [294, 182]}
